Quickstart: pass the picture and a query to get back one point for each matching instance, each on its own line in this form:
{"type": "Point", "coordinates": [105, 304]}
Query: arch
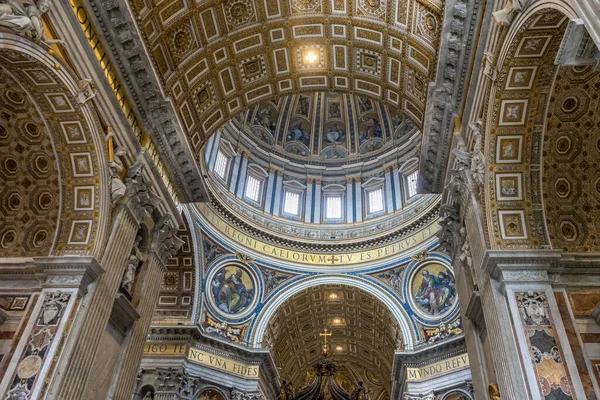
{"type": "Point", "coordinates": [74, 130]}
{"type": "Point", "coordinates": [461, 392]}
{"type": "Point", "coordinates": [260, 324]}
{"type": "Point", "coordinates": [514, 118]}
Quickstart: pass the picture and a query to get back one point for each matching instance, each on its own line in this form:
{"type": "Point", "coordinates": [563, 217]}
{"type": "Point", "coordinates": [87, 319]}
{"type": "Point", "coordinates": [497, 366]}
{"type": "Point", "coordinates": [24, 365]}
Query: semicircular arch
{"type": "Point", "coordinates": [72, 128]}
{"type": "Point", "coordinates": [514, 121]}
{"type": "Point", "coordinates": [269, 309]}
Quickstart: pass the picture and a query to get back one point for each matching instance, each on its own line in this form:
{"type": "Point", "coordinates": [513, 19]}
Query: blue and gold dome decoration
{"type": "Point", "coordinates": [326, 126]}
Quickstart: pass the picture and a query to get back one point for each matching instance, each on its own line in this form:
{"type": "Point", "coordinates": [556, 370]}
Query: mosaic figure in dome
{"type": "Point", "coordinates": [264, 117]}
{"type": "Point", "coordinates": [303, 106]}
{"type": "Point", "coordinates": [364, 104]}
{"type": "Point", "coordinates": [335, 134]}
{"type": "Point", "coordinates": [369, 128]}
{"type": "Point", "coordinates": [232, 290]}
{"type": "Point", "coordinates": [334, 109]}
{"type": "Point", "coordinates": [334, 152]}
{"type": "Point", "coordinates": [436, 292]}
{"type": "Point", "coordinates": [298, 133]}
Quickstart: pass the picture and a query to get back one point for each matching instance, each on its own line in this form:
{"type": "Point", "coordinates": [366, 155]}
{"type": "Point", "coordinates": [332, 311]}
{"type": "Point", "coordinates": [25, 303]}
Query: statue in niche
{"type": "Point", "coordinates": [115, 168]}
{"type": "Point", "coordinates": [477, 157]}
{"type": "Point", "coordinates": [132, 266]}
{"type": "Point", "coordinates": [25, 19]}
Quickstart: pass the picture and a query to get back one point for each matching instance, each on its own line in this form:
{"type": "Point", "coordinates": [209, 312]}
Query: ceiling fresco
{"type": "Point", "coordinates": [216, 58]}
{"type": "Point", "coordinates": [365, 335]}
{"type": "Point", "coordinates": [325, 127]}
{"type": "Point", "coordinates": [571, 179]}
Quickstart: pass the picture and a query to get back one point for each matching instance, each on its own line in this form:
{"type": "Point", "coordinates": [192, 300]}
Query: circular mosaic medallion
{"type": "Point", "coordinates": [432, 291]}
{"type": "Point", "coordinates": [29, 367]}
{"type": "Point", "coordinates": [232, 291]}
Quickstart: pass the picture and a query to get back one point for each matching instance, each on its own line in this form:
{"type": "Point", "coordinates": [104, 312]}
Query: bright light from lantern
{"type": "Point", "coordinates": [337, 321]}
{"type": "Point", "coordinates": [339, 348]}
{"type": "Point", "coordinates": [333, 296]}
{"type": "Point", "coordinates": [311, 57]}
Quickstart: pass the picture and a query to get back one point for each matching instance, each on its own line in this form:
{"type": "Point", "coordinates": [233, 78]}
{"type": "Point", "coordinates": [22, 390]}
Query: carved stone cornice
{"type": "Point", "coordinates": [120, 36]}
{"type": "Point", "coordinates": [326, 248]}
{"type": "Point", "coordinates": [50, 272]}
{"type": "Point", "coordinates": [446, 95]}
{"type": "Point", "coordinates": [520, 266]}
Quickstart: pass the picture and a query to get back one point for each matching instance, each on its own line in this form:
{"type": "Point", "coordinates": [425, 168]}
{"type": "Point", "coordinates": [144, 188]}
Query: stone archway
{"type": "Point", "coordinates": [260, 324]}
{"type": "Point", "coordinates": [54, 117]}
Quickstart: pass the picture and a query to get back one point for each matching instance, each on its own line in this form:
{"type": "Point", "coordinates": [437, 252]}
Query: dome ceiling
{"type": "Point", "coordinates": [365, 336]}
{"type": "Point", "coordinates": [325, 127]}
{"type": "Point", "coordinates": [217, 58]}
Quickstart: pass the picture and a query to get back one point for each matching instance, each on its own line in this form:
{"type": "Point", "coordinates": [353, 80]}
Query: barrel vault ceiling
{"type": "Point", "coordinates": [364, 336]}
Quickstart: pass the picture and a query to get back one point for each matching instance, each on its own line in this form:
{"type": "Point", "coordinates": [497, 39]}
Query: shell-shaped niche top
{"type": "Point", "coordinates": [325, 126]}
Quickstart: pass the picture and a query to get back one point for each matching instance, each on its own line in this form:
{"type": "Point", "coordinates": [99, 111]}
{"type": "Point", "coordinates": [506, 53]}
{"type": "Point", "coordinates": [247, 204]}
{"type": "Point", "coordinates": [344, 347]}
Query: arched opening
{"type": "Point", "coordinates": [365, 335]}
{"type": "Point", "coordinates": [53, 203]}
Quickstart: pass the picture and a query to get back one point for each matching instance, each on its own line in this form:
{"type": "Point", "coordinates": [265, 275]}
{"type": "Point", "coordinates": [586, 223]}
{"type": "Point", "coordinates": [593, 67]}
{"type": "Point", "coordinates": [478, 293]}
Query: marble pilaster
{"type": "Point", "coordinates": [153, 271]}
{"type": "Point", "coordinates": [82, 344]}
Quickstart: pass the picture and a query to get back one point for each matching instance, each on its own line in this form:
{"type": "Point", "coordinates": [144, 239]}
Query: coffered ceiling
{"type": "Point", "coordinates": [365, 336]}
{"type": "Point", "coordinates": [215, 58]}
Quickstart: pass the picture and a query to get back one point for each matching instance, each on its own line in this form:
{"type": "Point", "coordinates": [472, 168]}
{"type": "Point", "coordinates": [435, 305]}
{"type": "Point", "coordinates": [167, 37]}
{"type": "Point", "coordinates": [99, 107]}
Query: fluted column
{"type": "Point", "coordinates": [152, 279]}
{"type": "Point", "coordinates": [82, 343]}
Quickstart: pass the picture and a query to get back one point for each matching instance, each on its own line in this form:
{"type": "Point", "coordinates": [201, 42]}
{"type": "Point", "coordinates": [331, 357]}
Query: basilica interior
{"type": "Point", "coordinates": [299, 199]}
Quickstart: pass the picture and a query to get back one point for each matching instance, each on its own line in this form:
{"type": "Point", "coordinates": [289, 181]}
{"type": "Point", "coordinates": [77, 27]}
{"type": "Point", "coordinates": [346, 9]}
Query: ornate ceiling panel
{"type": "Point", "coordinates": [30, 195]}
{"type": "Point", "coordinates": [176, 299]}
{"type": "Point", "coordinates": [516, 125]}
{"type": "Point", "coordinates": [571, 178]}
{"type": "Point", "coordinates": [39, 123]}
{"type": "Point", "coordinates": [215, 58]}
{"type": "Point", "coordinates": [325, 127]}
{"type": "Point", "coordinates": [365, 335]}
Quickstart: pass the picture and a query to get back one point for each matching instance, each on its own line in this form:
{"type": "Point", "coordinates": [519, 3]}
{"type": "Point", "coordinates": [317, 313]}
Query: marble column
{"type": "Point", "coordinates": [153, 270]}
{"type": "Point", "coordinates": [308, 201]}
{"type": "Point", "coordinates": [349, 199]}
{"type": "Point", "coordinates": [242, 176]}
{"type": "Point", "coordinates": [235, 172]}
{"type": "Point", "coordinates": [269, 191]}
{"type": "Point", "coordinates": [278, 192]}
{"type": "Point", "coordinates": [543, 351]}
{"type": "Point", "coordinates": [82, 344]}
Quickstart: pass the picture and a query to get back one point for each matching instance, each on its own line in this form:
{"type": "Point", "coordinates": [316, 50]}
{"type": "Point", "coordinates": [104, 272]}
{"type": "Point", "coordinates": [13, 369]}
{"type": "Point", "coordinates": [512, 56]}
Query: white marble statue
{"type": "Point", "coordinates": [129, 277]}
{"type": "Point", "coordinates": [117, 187]}
{"type": "Point", "coordinates": [25, 19]}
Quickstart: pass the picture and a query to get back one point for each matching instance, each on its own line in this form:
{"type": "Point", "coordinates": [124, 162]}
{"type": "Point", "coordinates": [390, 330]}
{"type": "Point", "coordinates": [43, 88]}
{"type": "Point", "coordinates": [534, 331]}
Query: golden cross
{"type": "Point", "coordinates": [325, 336]}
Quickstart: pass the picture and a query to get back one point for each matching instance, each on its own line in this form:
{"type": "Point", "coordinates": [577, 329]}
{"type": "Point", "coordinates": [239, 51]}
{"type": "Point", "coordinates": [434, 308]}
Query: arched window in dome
{"type": "Point", "coordinates": [410, 174]}
{"type": "Point", "coordinates": [255, 185]}
{"type": "Point", "coordinates": [333, 200]}
{"type": "Point", "coordinates": [411, 183]}
{"type": "Point", "coordinates": [222, 160]}
{"type": "Point", "coordinates": [293, 198]}
{"type": "Point", "coordinates": [374, 197]}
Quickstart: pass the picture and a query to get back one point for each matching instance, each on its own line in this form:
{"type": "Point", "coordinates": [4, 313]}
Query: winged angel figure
{"type": "Point", "coordinates": [25, 19]}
